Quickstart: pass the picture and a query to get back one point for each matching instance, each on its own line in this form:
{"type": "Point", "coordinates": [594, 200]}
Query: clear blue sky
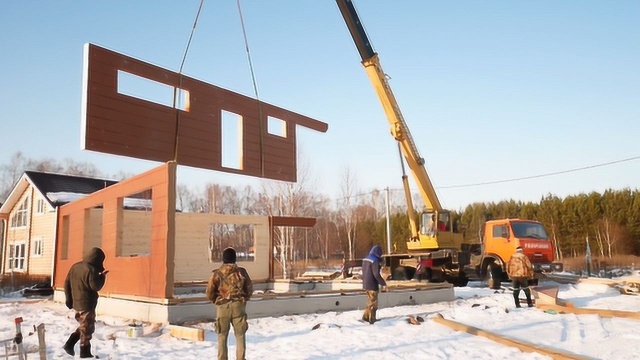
{"type": "Point", "coordinates": [492, 90]}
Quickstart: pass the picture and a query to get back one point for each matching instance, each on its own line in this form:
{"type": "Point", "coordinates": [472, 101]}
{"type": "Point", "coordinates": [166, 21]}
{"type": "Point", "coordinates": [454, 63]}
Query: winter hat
{"type": "Point", "coordinates": [229, 256]}
{"type": "Point", "coordinates": [375, 254]}
{"type": "Point", "coordinates": [519, 249]}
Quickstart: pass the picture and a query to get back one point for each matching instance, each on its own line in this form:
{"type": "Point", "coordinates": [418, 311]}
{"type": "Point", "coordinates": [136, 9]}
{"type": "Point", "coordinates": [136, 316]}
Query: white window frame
{"type": "Point", "coordinates": [20, 218]}
{"type": "Point", "coordinates": [38, 246]}
{"type": "Point", "coordinates": [41, 207]}
{"type": "Point", "coordinates": [18, 264]}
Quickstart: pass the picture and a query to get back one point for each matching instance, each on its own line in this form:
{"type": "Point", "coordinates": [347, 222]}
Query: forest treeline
{"type": "Point", "coordinates": [347, 227]}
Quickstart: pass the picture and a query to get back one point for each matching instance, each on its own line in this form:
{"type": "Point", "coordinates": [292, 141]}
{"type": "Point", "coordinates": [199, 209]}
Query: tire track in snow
{"type": "Point", "coordinates": [572, 329]}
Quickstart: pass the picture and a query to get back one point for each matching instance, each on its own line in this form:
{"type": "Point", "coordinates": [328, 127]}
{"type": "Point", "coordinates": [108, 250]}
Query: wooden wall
{"type": "Point", "coordinates": [148, 276]}
{"type": "Point", "coordinates": [192, 241]}
{"type": "Point", "coordinates": [42, 227]}
{"type": "Point", "coordinates": [118, 123]}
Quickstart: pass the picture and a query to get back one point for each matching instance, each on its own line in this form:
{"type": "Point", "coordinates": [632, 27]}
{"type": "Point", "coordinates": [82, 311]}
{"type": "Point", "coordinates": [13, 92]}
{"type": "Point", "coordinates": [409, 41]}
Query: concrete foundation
{"type": "Point", "coordinates": [297, 300]}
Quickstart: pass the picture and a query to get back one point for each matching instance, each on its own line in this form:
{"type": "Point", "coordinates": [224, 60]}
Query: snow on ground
{"type": "Point", "coordinates": [342, 336]}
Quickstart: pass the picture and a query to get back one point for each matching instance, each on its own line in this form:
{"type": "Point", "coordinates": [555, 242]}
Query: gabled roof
{"type": "Point", "coordinates": [50, 183]}
{"type": "Point", "coordinates": [57, 183]}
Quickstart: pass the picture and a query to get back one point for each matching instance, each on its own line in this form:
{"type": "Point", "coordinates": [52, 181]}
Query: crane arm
{"type": "Point", "coordinates": [399, 129]}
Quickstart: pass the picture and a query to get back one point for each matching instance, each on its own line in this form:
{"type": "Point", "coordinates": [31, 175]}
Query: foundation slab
{"type": "Point", "coordinates": [197, 308]}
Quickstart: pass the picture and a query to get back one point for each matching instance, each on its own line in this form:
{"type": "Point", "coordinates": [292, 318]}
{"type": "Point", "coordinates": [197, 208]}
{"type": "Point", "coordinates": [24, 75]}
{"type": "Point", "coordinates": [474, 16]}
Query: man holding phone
{"type": "Point", "coordinates": [84, 280]}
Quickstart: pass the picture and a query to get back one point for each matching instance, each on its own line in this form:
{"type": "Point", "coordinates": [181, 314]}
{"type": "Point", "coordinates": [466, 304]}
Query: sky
{"type": "Point", "coordinates": [342, 336]}
{"type": "Point", "coordinates": [492, 91]}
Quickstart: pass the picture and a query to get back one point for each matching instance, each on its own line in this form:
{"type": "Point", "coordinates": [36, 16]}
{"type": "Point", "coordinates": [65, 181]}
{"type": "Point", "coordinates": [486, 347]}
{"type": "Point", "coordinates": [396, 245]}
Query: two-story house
{"type": "Point", "coordinates": [29, 215]}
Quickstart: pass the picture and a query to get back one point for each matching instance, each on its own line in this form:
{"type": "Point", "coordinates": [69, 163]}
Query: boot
{"type": "Point", "coordinates": [516, 295]}
{"type": "Point", "coordinates": [365, 315]}
{"type": "Point", "coordinates": [372, 317]}
{"type": "Point", "coordinates": [85, 351]}
{"type": "Point", "coordinates": [527, 293]}
{"type": "Point", "coordinates": [71, 342]}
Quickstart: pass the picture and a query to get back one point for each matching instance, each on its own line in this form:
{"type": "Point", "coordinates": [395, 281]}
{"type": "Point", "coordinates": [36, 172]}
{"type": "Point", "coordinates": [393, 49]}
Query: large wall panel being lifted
{"type": "Point", "coordinates": [187, 127]}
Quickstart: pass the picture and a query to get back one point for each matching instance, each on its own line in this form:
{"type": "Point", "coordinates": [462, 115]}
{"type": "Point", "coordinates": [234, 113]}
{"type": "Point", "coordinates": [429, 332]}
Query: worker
{"type": "Point", "coordinates": [520, 271]}
{"type": "Point", "coordinates": [230, 288]}
{"type": "Point", "coordinates": [84, 279]}
{"type": "Point", "coordinates": [371, 282]}
{"type": "Point", "coordinates": [442, 226]}
{"type": "Point", "coordinates": [431, 226]}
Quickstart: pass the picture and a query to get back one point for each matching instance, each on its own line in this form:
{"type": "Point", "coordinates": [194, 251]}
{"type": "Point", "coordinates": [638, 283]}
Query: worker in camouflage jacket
{"type": "Point", "coordinates": [371, 282]}
{"type": "Point", "coordinates": [520, 271]}
{"type": "Point", "coordinates": [84, 279]}
{"type": "Point", "coordinates": [230, 288]}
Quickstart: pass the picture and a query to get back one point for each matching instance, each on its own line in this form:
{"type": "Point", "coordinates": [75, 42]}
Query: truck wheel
{"type": "Point", "coordinates": [493, 276]}
{"type": "Point", "coordinates": [400, 273]}
{"type": "Point", "coordinates": [428, 275]}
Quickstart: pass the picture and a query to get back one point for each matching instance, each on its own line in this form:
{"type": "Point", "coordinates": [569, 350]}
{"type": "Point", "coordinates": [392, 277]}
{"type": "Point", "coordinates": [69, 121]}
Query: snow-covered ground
{"type": "Point", "coordinates": [342, 336]}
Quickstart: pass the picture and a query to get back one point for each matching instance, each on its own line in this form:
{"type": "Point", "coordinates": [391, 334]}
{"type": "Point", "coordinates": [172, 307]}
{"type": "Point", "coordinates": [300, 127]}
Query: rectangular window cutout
{"type": "Point", "coordinates": [239, 236]}
{"type": "Point", "coordinates": [41, 207]}
{"type": "Point", "coordinates": [231, 140]}
{"type": "Point", "coordinates": [17, 256]}
{"type": "Point", "coordinates": [153, 91]}
{"type": "Point", "coordinates": [21, 217]}
{"type": "Point", "coordinates": [93, 227]}
{"type": "Point", "coordinates": [276, 127]}
{"type": "Point", "coordinates": [38, 246]}
{"type": "Point", "coordinates": [64, 241]}
{"type": "Point", "coordinates": [135, 221]}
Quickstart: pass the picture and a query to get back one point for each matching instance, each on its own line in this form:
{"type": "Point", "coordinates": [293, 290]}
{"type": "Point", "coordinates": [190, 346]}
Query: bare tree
{"type": "Point", "coordinates": [11, 172]}
{"type": "Point", "coordinates": [610, 235]}
{"type": "Point", "coordinates": [184, 198]}
{"type": "Point", "coordinates": [18, 164]}
{"type": "Point", "coordinates": [347, 207]}
{"type": "Point", "coordinates": [72, 167]}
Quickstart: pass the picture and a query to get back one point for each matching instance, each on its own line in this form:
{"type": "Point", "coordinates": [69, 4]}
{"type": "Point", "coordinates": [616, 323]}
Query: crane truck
{"type": "Point", "coordinates": [437, 250]}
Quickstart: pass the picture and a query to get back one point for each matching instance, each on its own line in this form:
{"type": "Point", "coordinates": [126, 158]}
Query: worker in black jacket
{"type": "Point", "coordinates": [84, 280]}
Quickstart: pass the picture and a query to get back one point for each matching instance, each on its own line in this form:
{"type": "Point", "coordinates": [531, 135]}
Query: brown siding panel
{"type": "Point", "coordinates": [124, 125]}
{"type": "Point", "coordinates": [150, 276]}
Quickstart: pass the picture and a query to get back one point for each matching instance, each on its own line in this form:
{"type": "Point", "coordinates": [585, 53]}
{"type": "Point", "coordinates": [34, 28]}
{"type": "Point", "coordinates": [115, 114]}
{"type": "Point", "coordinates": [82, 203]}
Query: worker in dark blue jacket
{"type": "Point", "coordinates": [371, 282]}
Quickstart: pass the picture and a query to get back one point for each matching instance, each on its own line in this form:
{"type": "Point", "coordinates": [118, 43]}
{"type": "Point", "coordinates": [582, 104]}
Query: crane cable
{"type": "Point", "coordinates": [255, 88]}
{"type": "Point", "coordinates": [179, 87]}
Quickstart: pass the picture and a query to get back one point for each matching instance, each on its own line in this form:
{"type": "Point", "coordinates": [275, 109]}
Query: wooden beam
{"type": "Point", "coordinates": [584, 311]}
{"type": "Point", "coordinates": [520, 344]}
{"type": "Point", "coordinates": [292, 221]}
{"type": "Point", "coordinates": [183, 332]}
{"type": "Point", "coordinates": [42, 344]}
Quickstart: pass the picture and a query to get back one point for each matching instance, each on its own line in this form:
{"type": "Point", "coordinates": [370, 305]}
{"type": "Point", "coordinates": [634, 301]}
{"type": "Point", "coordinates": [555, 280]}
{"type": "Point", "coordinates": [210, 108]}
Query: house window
{"type": "Point", "coordinates": [17, 257]}
{"type": "Point", "coordinates": [38, 246]}
{"type": "Point", "coordinates": [41, 207]}
{"type": "Point", "coordinates": [20, 217]}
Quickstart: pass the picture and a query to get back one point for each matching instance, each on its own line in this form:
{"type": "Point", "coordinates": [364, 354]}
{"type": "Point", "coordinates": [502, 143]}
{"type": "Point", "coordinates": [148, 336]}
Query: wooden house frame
{"type": "Point", "coordinates": [149, 252]}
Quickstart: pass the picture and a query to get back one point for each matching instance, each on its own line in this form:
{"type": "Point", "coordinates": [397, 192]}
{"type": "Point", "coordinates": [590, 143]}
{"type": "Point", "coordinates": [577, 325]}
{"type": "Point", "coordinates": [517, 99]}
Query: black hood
{"type": "Point", "coordinates": [95, 257]}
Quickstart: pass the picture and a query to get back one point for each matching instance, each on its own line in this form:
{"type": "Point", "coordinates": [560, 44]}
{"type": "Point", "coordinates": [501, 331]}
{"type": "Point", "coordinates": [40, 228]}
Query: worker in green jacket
{"type": "Point", "coordinates": [520, 271]}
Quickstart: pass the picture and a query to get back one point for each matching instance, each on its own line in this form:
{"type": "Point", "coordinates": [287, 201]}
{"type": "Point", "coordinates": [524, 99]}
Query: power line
{"type": "Point", "coordinates": [497, 181]}
{"type": "Point", "coordinates": [540, 175]}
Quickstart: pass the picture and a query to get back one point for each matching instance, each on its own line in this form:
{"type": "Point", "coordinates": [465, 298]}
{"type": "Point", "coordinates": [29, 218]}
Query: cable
{"type": "Point", "coordinates": [541, 175]}
{"type": "Point", "coordinates": [500, 181]}
{"type": "Point", "coordinates": [255, 88]}
{"type": "Point", "coordinates": [179, 87]}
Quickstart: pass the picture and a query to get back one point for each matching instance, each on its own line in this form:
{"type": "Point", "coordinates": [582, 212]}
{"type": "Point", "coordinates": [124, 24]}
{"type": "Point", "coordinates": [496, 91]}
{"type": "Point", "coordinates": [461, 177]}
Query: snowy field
{"type": "Point", "coordinates": [342, 336]}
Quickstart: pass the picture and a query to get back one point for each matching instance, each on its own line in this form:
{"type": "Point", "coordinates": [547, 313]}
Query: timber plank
{"type": "Point", "coordinates": [183, 332]}
{"type": "Point", "coordinates": [520, 344]}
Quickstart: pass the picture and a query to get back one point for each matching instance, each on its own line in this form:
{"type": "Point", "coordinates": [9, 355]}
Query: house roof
{"type": "Point", "coordinates": [49, 184]}
{"type": "Point", "coordinates": [58, 183]}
